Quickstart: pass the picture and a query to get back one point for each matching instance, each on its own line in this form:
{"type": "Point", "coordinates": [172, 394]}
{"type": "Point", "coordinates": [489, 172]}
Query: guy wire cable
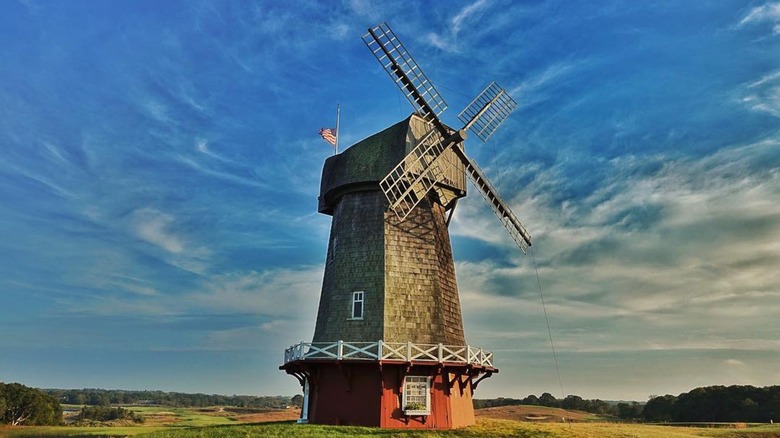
{"type": "Point", "coordinates": [549, 331]}
{"type": "Point", "coordinates": [539, 285]}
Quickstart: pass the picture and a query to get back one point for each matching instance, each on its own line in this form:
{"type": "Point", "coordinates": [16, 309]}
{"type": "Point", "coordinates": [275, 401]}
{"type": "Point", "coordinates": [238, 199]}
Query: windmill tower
{"type": "Point", "coordinates": [389, 348]}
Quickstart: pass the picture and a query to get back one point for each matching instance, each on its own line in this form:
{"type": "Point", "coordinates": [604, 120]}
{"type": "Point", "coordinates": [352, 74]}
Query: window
{"type": "Point", "coordinates": [357, 304]}
{"type": "Point", "coordinates": [417, 395]}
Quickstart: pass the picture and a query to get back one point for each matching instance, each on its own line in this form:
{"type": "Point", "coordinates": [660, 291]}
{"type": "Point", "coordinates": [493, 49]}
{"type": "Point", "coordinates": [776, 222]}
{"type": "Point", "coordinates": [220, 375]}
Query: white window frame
{"type": "Point", "coordinates": [358, 297]}
{"type": "Point", "coordinates": [416, 389]}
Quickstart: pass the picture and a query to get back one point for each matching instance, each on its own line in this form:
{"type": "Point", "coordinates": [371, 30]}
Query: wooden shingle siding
{"type": "Point", "coordinates": [405, 267]}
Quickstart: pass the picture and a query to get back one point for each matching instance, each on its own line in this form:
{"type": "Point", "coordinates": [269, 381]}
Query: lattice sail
{"type": "Point", "coordinates": [408, 183]}
{"type": "Point", "coordinates": [505, 215]}
{"type": "Point", "coordinates": [404, 71]}
{"type": "Point", "coordinates": [487, 111]}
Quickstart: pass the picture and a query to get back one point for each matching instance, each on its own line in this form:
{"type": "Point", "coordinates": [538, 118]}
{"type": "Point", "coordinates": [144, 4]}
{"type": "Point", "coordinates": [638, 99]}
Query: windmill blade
{"type": "Point", "coordinates": [420, 171]}
{"type": "Point", "coordinates": [405, 72]}
{"type": "Point", "coordinates": [487, 111]}
{"type": "Point", "coordinates": [505, 215]}
{"type": "Point", "coordinates": [409, 181]}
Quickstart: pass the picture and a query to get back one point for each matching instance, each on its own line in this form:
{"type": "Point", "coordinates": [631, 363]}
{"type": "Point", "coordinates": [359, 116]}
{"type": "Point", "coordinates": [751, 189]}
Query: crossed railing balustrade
{"type": "Point", "coordinates": [380, 350]}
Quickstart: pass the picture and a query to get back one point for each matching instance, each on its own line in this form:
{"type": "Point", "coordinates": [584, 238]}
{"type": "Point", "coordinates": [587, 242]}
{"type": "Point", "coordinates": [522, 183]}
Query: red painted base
{"type": "Point", "coordinates": [370, 393]}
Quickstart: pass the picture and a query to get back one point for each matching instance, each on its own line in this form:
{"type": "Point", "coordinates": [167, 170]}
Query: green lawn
{"type": "Point", "coordinates": [485, 428]}
{"type": "Point", "coordinates": [180, 417]}
{"type": "Point", "coordinates": [156, 418]}
{"type": "Point", "coordinates": [70, 431]}
{"type": "Point", "coordinates": [194, 425]}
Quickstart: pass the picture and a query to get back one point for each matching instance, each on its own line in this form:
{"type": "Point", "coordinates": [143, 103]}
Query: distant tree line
{"type": "Point", "coordinates": [106, 397]}
{"type": "Point", "coordinates": [22, 405]}
{"type": "Point", "coordinates": [717, 404]}
{"type": "Point", "coordinates": [624, 410]}
{"type": "Point", "coordinates": [712, 404]}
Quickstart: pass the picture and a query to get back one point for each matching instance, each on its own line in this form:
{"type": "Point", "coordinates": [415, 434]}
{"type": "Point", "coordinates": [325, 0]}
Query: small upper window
{"type": "Point", "coordinates": [357, 304]}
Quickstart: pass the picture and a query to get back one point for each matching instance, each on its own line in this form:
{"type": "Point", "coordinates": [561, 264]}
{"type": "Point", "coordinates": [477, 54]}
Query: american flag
{"type": "Point", "coordinates": [329, 135]}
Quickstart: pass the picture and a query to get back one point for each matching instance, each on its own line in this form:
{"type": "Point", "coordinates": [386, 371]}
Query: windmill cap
{"type": "Point", "coordinates": [361, 166]}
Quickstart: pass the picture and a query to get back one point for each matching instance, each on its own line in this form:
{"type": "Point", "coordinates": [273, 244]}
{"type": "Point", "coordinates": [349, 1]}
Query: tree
{"type": "Point", "coordinates": [660, 408]}
{"type": "Point", "coordinates": [297, 400]}
{"type": "Point", "coordinates": [78, 399]}
{"type": "Point", "coordinates": [28, 406]}
{"type": "Point", "coordinates": [531, 400]}
{"type": "Point", "coordinates": [771, 410]}
{"type": "Point", "coordinates": [628, 411]}
{"type": "Point", "coordinates": [599, 407]}
{"type": "Point", "coordinates": [549, 400]}
{"type": "Point", "coordinates": [573, 402]}
{"type": "Point", "coordinates": [18, 404]}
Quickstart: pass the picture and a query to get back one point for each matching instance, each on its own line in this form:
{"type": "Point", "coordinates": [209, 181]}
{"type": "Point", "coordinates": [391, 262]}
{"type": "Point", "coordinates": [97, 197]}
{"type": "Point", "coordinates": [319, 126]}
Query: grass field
{"type": "Point", "coordinates": [484, 428]}
{"type": "Point", "coordinates": [156, 418]}
{"type": "Point", "coordinates": [167, 422]}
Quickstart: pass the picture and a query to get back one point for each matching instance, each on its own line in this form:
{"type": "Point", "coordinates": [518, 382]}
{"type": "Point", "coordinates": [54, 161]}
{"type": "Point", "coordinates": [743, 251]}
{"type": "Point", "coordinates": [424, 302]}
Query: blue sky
{"type": "Point", "coordinates": [160, 169]}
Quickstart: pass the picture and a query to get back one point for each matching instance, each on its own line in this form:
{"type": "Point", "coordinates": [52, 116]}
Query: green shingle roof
{"type": "Point", "coordinates": [362, 165]}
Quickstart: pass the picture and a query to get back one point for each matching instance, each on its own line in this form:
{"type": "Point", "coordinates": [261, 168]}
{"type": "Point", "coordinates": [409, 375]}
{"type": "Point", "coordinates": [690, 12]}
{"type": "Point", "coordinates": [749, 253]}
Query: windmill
{"type": "Point", "coordinates": [389, 348]}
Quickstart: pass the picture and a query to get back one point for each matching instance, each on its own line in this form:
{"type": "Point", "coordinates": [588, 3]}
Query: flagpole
{"type": "Point", "coordinates": [338, 116]}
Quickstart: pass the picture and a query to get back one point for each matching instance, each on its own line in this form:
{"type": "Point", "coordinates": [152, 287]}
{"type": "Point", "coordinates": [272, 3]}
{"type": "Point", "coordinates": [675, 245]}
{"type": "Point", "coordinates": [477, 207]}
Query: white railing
{"type": "Point", "coordinates": [400, 351]}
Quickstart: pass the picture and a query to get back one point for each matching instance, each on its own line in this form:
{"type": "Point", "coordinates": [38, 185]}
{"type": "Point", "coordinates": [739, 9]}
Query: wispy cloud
{"type": "Point", "coordinates": [769, 12]}
{"type": "Point", "coordinates": [447, 41]}
{"type": "Point", "coordinates": [259, 292]}
{"type": "Point", "coordinates": [465, 14]}
{"type": "Point", "coordinates": [274, 304]}
{"type": "Point", "coordinates": [538, 87]}
{"type": "Point", "coordinates": [763, 95]}
{"type": "Point", "coordinates": [365, 8]}
{"type": "Point", "coordinates": [702, 257]}
{"type": "Point", "coordinates": [155, 227]}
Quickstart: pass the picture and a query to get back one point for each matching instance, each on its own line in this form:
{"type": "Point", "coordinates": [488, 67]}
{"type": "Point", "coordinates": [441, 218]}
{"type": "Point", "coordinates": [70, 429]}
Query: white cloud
{"type": "Point", "coordinates": [157, 110]}
{"type": "Point", "coordinates": [155, 227]}
{"type": "Point", "coordinates": [364, 8]}
{"type": "Point", "coordinates": [526, 92]}
{"type": "Point", "coordinates": [763, 95]}
{"type": "Point", "coordinates": [133, 285]}
{"type": "Point", "coordinates": [223, 174]}
{"type": "Point", "coordinates": [447, 41]}
{"type": "Point", "coordinates": [766, 79]}
{"type": "Point", "coordinates": [279, 306]}
{"type": "Point", "coordinates": [768, 12]}
{"type": "Point", "coordinates": [286, 299]}
{"type": "Point", "coordinates": [282, 292]}
{"type": "Point", "coordinates": [706, 255]}
{"type": "Point", "coordinates": [466, 13]}
{"type": "Point", "coordinates": [340, 31]}
{"type": "Point", "coordinates": [203, 146]}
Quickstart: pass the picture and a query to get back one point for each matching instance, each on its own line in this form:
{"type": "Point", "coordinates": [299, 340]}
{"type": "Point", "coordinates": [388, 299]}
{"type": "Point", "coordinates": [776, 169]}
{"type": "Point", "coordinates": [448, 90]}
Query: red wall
{"type": "Point", "coordinates": [348, 394]}
{"type": "Point", "coordinates": [449, 409]}
{"type": "Point", "coordinates": [361, 394]}
{"type": "Point", "coordinates": [461, 405]}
